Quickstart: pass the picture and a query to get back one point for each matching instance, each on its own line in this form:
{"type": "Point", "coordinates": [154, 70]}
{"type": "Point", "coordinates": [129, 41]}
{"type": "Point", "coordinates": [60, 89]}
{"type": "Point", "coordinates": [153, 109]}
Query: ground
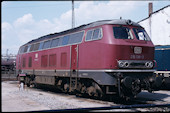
{"type": "Point", "coordinates": [33, 99]}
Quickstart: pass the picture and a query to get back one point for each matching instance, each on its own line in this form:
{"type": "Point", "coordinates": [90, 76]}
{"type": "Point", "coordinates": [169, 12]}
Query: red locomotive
{"type": "Point", "coordinates": [100, 58]}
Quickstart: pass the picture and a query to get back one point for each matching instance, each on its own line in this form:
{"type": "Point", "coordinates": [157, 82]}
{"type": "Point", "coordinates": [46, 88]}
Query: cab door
{"type": "Point", "coordinates": [74, 67]}
{"type": "Point", "coordinates": [74, 57]}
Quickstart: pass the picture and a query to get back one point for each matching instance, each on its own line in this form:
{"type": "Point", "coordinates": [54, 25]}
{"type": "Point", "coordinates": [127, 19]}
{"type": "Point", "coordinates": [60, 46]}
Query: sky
{"type": "Point", "coordinates": [23, 21]}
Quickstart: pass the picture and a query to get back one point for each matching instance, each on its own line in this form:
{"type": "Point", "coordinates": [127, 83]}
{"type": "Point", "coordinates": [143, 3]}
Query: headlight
{"type": "Point", "coordinates": [149, 64]}
{"type": "Point", "coordinates": [121, 64]}
{"type": "Point", "coordinates": [126, 64]}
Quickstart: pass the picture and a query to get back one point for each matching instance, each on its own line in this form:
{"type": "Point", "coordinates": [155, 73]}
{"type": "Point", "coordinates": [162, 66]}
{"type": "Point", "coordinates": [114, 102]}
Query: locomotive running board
{"type": "Point", "coordinates": [111, 70]}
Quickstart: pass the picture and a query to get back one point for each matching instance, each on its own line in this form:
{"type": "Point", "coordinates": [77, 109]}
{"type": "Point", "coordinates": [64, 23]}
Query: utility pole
{"type": "Point", "coordinates": [7, 53]}
{"type": "Point", "coordinates": [73, 21]}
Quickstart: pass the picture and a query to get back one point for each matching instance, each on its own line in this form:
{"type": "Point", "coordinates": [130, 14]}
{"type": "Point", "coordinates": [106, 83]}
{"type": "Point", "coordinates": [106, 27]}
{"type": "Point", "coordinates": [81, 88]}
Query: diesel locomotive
{"type": "Point", "coordinates": [108, 57]}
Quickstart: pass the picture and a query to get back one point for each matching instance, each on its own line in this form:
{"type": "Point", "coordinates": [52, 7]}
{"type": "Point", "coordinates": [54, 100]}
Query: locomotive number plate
{"type": "Point", "coordinates": [137, 50]}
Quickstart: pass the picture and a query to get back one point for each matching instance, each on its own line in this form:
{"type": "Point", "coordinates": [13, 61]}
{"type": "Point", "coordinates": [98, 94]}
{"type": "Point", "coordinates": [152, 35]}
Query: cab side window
{"type": "Point", "coordinates": [46, 44]}
{"type": "Point", "coordinates": [94, 34]}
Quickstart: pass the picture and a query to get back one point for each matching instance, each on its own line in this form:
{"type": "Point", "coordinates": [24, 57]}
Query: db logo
{"type": "Point", "coordinates": [137, 50]}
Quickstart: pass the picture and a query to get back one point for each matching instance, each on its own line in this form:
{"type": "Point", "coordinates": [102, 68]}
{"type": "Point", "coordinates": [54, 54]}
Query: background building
{"type": "Point", "coordinates": [157, 25]}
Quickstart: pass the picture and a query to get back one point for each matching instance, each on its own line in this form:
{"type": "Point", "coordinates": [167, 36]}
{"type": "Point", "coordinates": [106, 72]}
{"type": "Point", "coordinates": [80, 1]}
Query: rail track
{"type": "Point", "coordinates": [109, 108]}
{"type": "Point", "coordinates": [113, 103]}
{"type": "Point", "coordinates": [8, 76]}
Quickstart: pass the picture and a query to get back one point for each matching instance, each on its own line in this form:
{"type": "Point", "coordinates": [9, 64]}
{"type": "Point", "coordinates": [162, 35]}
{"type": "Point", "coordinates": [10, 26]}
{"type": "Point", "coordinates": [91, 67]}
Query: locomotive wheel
{"type": "Point", "coordinates": [66, 88]}
{"type": "Point", "coordinates": [91, 91]}
{"type": "Point", "coordinates": [27, 81]}
{"type": "Point", "coordinates": [84, 91]}
{"type": "Point", "coordinates": [28, 85]}
{"type": "Point", "coordinates": [99, 94]}
{"type": "Point", "coordinates": [130, 87]}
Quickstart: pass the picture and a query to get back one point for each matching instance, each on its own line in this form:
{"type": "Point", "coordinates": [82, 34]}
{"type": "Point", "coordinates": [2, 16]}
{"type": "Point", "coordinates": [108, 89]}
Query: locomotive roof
{"type": "Point", "coordinates": [162, 47]}
{"type": "Point", "coordinates": [85, 26]}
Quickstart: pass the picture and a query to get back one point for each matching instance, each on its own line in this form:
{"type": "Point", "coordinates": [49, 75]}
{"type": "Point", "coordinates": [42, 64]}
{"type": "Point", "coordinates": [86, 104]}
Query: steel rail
{"type": "Point", "coordinates": [108, 108]}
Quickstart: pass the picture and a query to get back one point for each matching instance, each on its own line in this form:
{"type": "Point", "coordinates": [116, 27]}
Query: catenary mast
{"type": "Point", "coordinates": [73, 19]}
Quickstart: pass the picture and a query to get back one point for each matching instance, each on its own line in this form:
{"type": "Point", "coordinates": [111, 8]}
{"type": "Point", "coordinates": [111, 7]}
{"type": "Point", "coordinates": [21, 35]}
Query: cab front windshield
{"type": "Point", "coordinates": [141, 34]}
{"type": "Point", "coordinates": [126, 33]}
{"type": "Point", "coordinates": [122, 33]}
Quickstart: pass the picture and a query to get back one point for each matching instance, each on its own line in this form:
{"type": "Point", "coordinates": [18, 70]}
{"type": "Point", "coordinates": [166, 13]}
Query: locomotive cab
{"type": "Point", "coordinates": [134, 60]}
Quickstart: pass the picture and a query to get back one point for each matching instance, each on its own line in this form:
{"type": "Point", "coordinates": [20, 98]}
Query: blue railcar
{"type": "Point", "coordinates": [162, 57]}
